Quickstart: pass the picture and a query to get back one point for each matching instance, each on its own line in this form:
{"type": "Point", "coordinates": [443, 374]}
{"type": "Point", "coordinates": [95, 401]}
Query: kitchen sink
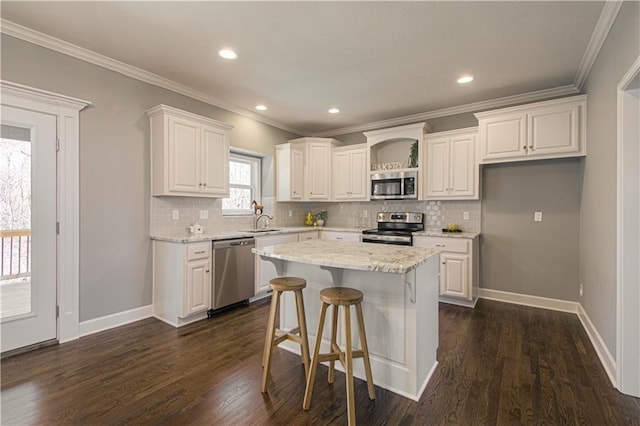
{"type": "Point", "coordinates": [256, 231]}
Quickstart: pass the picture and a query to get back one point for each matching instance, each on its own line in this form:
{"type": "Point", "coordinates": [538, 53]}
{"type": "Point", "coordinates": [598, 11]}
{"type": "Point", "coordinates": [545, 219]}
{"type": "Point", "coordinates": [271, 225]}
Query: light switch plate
{"type": "Point", "coordinates": [537, 216]}
{"type": "Point", "coordinates": [175, 214]}
{"type": "Point", "coordinates": [204, 214]}
{"type": "Point", "coordinates": [465, 215]}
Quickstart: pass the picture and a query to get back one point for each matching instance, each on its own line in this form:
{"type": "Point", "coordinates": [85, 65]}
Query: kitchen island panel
{"type": "Point", "coordinates": [401, 319]}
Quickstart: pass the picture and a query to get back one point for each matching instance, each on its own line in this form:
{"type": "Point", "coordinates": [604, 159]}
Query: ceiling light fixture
{"type": "Point", "coordinates": [465, 79]}
{"type": "Point", "coordinates": [334, 110]}
{"type": "Point", "coordinates": [228, 54]}
{"type": "Point", "coordinates": [261, 108]}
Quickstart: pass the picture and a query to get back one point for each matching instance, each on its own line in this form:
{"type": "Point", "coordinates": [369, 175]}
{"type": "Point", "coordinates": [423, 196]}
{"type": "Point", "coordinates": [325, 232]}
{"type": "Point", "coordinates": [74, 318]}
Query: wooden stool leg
{"type": "Point", "coordinates": [351, 409]}
{"type": "Point", "coordinates": [314, 362]}
{"type": "Point", "coordinates": [365, 353]}
{"type": "Point", "coordinates": [302, 323]}
{"type": "Point", "coordinates": [268, 344]}
{"type": "Point", "coordinates": [334, 331]}
{"type": "Point", "coordinates": [266, 337]}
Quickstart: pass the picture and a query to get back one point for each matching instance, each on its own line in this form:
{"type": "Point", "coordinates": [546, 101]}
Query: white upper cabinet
{"type": "Point", "coordinates": [189, 154]}
{"type": "Point", "coordinates": [303, 169]}
{"type": "Point", "coordinates": [549, 129]}
{"type": "Point", "coordinates": [452, 171]}
{"type": "Point", "coordinates": [350, 173]}
{"type": "Point", "coordinates": [290, 172]}
{"type": "Point", "coordinates": [317, 181]}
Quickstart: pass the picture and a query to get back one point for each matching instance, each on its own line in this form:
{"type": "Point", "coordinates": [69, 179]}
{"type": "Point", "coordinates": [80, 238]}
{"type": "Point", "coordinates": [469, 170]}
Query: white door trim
{"type": "Point", "coordinates": [628, 235]}
{"type": "Point", "coordinates": [67, 110]}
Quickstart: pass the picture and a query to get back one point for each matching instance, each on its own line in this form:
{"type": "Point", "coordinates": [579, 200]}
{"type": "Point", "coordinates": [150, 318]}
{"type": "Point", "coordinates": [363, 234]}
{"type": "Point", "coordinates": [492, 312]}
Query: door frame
{"type": "Point", "coordinates": [67, 112]}
{"type": "Point", "coordinates": [628, 238]}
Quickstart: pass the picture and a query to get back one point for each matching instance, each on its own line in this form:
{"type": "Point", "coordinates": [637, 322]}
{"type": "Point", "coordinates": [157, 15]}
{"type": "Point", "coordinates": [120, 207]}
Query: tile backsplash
{"type": "Point", "coordinates": [438, 214]}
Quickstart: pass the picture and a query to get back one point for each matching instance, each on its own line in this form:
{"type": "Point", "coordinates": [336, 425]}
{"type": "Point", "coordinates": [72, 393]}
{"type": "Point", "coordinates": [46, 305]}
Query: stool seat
{"type": "Point", "coordinates": [287, 283]}
{"type": "Point", "coordinates": [275, 336]}
{"type": "Point", "coordinates": [343, 296]}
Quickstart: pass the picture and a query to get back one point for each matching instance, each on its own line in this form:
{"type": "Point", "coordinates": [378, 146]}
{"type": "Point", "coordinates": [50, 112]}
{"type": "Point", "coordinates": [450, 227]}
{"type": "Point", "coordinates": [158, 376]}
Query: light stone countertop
{"type": "Point", "coordinates": [227, 235]}
{"type": "Point", "coordinates": [351, 255]}
{"type": "Point", "coordinates": [435, 233]}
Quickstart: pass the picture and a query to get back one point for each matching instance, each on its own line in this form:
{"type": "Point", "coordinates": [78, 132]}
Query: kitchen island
{"type": "Point", "coordinates": [400, 286]}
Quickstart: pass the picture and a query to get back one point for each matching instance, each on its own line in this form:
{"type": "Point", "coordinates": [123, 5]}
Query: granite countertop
{"type": "Point", "coordinates": [351, 255]}
{"type": "Point", "coordinates": [437, 233]}
{"type": "Point", "coordinates": [227, 235]}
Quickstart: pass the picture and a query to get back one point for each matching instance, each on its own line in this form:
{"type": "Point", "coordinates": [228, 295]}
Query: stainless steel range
{"type": "Point", "coordinates": [394, 228]}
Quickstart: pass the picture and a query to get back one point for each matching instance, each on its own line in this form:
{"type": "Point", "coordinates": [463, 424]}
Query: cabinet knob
{"type": "Point", "coordinates": [524, 147]}
{"type": "Point", "coordinates": [207, 271]}
{"type": "Point", "coordinates": [531, 147]}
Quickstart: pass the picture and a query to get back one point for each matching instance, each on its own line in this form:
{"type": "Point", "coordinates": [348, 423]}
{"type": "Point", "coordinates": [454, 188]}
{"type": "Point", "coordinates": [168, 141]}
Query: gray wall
{"type": "Point", "coordinates": [115, 250]}
{"type": "Point", "coordinates": [519, 255]}
{"type": "Point", "coordinates": [598, 218]}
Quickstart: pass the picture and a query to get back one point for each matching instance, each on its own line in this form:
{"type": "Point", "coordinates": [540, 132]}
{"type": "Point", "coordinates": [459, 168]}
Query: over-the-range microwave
{"type": "Point", "coordinates": [394, 185]}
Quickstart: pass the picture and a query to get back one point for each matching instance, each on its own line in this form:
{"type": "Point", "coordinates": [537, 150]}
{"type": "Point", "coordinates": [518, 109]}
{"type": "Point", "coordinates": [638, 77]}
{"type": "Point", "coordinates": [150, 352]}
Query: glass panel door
{"type": "Point", "coordinates": [28, 218]}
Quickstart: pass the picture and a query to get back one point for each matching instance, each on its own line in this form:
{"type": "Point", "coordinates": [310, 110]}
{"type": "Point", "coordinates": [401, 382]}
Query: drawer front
{"type": "Point", "coordinates": [198, 251]}
{"type": "Point", "coordinates": [304, 236]}
{"type": "Point", "coordinates": [451, 245]}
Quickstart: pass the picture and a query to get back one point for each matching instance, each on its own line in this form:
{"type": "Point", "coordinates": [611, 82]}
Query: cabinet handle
{"type": "Point", "coordinates": [198, 252]}
{"type": "Point", "coordinates": [206, 270]}
{"type": "Point", "coordinates": [524, 147]}
{"type": "Point", "coordinates": [444, 263]}
{"type": "Point", "coordinates": [531, 147]}
{"type": "Point", "coordinates": [200, 184]}
{"type": "Point", "coordinates": [339, 238]}
{"type": "Point", "coordinates": [204, 184]}
{"type": "Point", "coordinates": [440, 245]}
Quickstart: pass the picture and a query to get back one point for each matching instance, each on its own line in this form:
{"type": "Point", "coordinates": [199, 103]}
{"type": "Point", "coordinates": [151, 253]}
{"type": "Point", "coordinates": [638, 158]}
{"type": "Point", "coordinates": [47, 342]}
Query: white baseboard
{"type": "Point", "coordinates": [528, 300]}
{"type": "Point", "coordinates": [114, 320]}
{"type": "Point", "coordinates": [606, 359]}
{"type": "Point", "coordinates": [608, 362]}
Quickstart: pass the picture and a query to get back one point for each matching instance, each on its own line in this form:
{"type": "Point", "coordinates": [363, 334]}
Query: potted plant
{"type": "Point", "coordinates": [413, 155]}
{"type": "Point", "coordinates": [321, 218]}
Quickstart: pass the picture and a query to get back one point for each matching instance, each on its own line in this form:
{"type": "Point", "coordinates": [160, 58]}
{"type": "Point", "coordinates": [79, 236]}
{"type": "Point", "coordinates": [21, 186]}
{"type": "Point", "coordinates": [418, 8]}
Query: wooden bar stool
{"type": "Point", "coordinates": [341, 296]}
{"type": "Point", "coordinates": [274, 335]}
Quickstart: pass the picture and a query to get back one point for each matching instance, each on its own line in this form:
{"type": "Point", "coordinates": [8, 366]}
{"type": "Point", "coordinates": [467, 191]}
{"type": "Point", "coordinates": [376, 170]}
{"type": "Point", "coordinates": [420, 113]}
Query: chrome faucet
{"type": "Point", "coordinates": [258, 217]}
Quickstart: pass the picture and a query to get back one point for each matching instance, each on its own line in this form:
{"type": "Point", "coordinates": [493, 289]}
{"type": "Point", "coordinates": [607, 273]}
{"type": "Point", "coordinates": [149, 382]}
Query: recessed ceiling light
{"type": "Point", "coordinates": [228, 54]}
{"type": "Point", "coordinates": [465, 79]}
{"type": "Point", "coordinates": [261, 108]}
{"type": "Point", "coordinates": [334, 110]}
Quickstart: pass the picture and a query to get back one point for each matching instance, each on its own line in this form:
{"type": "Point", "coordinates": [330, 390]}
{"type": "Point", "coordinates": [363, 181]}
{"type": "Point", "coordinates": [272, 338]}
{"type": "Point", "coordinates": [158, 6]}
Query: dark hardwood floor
{"type": "Point", "coordinates": [499, 364]}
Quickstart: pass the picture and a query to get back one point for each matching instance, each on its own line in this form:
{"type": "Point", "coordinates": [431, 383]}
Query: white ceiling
{"type": "Point", "coordinates": [373, 60]}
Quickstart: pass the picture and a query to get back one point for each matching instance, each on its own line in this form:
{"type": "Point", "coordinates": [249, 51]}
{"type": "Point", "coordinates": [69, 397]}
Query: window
{"type": "Point", "coordinates": [244, 184]}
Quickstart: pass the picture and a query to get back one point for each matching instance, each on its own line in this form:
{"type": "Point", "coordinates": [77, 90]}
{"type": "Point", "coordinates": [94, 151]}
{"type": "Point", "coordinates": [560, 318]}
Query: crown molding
{"type": "Point", "coordinates": [35, 37]}
{"type": "Point", "coordinates": [599, 35]}
{"type": "Point", "coordinates": [8, 88]}
{"type": "Point", "coordinates": [445, 112]}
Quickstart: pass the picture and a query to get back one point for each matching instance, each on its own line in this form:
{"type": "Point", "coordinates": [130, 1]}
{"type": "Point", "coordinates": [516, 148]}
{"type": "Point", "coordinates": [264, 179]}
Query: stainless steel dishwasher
{"type": "Point", "coordinates": [234, 272]}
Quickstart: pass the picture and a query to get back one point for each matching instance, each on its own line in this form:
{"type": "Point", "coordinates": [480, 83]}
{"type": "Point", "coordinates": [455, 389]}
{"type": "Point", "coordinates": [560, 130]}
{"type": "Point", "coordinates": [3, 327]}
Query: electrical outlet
{"type": "Point", "coordinates": [465, 215]}
{"type": "Point", "coordinates": [175, 214]}
{"type": "Point", "coordinates": [204, 214]}
{"type": "Point", "coordinates": [537, 216]}
{"type": "Point", "coordinates": [290, 213]}
{"type": "Point", "coordinates": [365, 213]}
{"type": "Point", "coordinates": [581, 289]}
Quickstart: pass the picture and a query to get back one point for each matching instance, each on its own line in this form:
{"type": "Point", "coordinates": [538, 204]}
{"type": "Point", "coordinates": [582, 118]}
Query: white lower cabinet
{"type": "Point", "coordinates": [340, 236]}
{"type": "Point", "coordinates": [458, 267]}
{"type": "Point", "coordinates": [265, 270]}
{"type": "Point", "coordinates": [181, 281]}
